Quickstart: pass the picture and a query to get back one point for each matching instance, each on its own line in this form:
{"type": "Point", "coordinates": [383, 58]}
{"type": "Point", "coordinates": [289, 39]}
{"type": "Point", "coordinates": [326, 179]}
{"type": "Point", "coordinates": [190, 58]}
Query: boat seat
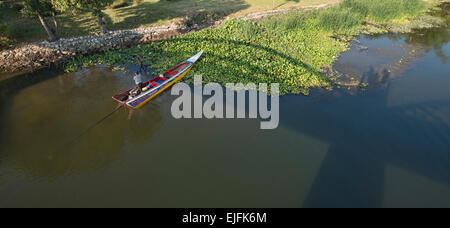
{"type": "Point", "coordinates": [123, 97]}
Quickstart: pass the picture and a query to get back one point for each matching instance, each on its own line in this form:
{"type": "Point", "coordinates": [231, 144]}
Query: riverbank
{"type": "Point", "coordinates": [292, 49]}
{"type": "Point", "coordinates": [386, 147]}
{"type": "Point", "coordinates": [131, 14]}
{"type": "Point", "coordinates": [44, 54]}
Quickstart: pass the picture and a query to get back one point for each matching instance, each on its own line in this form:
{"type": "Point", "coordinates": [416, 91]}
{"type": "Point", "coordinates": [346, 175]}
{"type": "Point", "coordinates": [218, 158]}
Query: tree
{"type": "Point", "coordinates": [57, 7]}
{"type": "Point", "coordinates": [41, 10]}
{"type": "Point", "coordinates": [95, 7]}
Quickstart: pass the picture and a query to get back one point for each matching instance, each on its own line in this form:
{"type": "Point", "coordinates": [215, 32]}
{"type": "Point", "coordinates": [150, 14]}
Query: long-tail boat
{"type": "Point", "coordinates": [157, 85]}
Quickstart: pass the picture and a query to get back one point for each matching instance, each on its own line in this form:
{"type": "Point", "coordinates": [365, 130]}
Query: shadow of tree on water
{"type": "Point", "coordinates": [49, 111]}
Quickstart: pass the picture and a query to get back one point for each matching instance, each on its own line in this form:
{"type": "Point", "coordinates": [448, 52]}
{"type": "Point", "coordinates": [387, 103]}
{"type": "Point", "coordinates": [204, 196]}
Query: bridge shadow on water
{"type": "Point", "coordinates": [367, 136]}
{"type": "Point", "coordinates": [361, 146]}
{"type": "Point", "coordinates": [399, 125]}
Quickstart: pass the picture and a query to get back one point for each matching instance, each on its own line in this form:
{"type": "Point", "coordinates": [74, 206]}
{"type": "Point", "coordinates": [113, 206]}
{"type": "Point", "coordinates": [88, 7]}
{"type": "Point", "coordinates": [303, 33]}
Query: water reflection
{"type": "Point", "coordinates": [40, 120]}
{"type": "Point", "coordinates": [387, 146]}
{"type": "Point", "coordinates": [11, 83]}
{"type": "Point", "coordinates": [375, 60]}
{"type": "Point", "coordinates": [399, 128]}
{"type": "Point", "coordinates": [432, 40]}
{"type": "Point", "coordinates": [362, 144]}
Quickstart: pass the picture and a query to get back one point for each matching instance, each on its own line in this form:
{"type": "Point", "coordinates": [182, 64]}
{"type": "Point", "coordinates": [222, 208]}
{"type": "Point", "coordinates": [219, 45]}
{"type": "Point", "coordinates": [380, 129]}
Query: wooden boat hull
{"type": "Point", "coordinates": [146, 98]}
{"type": "Point", "coordinates": [157, 85]}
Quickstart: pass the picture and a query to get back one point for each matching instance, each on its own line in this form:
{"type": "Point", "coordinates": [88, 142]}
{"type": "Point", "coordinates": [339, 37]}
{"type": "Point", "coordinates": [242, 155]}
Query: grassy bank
{"type": "Point", "coordinates": [290, 49]}
{"type": "Point", "coordinates": [242, 51]}
{"type": "Point", "coordinates": [127, 14]}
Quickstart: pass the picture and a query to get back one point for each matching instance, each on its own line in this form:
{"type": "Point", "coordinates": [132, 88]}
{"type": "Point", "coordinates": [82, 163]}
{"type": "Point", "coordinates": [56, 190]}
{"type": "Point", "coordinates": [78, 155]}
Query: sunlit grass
{"type": "Point", "coordinates": [350, 14]}
{"type": "Point", "coordinates": [141, 13]}
{"type": "Point", "coordinates": [290, 49]}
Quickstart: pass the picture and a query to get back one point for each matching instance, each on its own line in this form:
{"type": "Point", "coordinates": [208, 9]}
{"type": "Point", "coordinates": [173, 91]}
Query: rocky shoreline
{"type": "Point", "coordinates": [44, 54]}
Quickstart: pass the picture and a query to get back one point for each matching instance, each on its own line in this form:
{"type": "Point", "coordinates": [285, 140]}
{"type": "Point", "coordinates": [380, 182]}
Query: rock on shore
{"type": "Point", "coordinates": [43, 54]}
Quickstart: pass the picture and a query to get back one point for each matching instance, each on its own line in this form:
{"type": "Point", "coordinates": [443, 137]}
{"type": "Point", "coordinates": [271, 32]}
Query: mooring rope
{"type": "Point", "coordinates": [71, 142]}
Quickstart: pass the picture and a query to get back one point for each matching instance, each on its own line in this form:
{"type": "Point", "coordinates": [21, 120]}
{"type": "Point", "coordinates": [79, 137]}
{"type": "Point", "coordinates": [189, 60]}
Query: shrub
{"type": "Point", "coordinates": [293, 21]}
{"type": "Point", "coordinates": [5, 37]}
{"type": "Point", "coordinates": [384, 10]}
{"type": "Point", "coordinates": [248, 30]}
{"type": "Point", "coordinates": [340, 20]}
{"type": "Point", "coordinates": [5, 31]}
{"type": "Point", "coordinates": [356, 6]}
{"type": "Point", "coordinates": [413, 7]}
{"type": "Point", "coordinates": [352, 12]}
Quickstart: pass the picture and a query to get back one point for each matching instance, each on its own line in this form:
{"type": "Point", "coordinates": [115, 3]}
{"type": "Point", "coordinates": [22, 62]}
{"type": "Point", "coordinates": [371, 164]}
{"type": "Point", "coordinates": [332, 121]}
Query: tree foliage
{"type": "Point", "coordinates": [41, 9]}
{"type": "Point", "coordinates": [93, 6]}
{"type": "Point", "coordinates": [34, 7]}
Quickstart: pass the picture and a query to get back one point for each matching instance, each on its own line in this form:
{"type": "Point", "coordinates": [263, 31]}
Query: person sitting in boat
{"type": "Point", "coordinates": [139, 84]}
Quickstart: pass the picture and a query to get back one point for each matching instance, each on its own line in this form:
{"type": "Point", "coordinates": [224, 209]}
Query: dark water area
{"type": "Point", "coordinates": [384, 145]}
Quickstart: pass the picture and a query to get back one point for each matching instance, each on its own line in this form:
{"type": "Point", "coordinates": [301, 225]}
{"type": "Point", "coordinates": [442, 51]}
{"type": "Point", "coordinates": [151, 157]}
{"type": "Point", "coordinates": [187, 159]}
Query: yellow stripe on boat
{"type": "Point", "coordinates": [162, 89]}
{"type": "Point", "coordinates": [158, 84]}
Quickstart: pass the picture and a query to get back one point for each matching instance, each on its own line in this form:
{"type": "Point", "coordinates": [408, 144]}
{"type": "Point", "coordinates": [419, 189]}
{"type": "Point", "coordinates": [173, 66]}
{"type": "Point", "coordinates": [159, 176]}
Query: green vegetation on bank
{"type": "Point", "coordinates": [5, 31]}
{"type": "Point", "coordinates": [241, 51]}
{"type": "Point", "coordinates": [123, 14]}
{"type": "Point", "coordinates": [290, 49]}
{"type": "Point", "coordinates": [350, 15]}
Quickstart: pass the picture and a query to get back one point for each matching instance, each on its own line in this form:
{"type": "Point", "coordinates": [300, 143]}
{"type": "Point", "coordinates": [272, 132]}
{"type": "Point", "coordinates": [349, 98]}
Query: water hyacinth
{"type": "Point", "coordinates": [290, 49]}
{"type": "Point", "coordinates": [240, 51]}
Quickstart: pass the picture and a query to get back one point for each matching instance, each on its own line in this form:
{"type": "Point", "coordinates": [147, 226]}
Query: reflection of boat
{"type": "Point", "coordinates": [155, 86]}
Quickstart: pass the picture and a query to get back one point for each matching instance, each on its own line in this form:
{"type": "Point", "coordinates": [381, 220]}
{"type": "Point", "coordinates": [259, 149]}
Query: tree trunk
{"type": "Point", "coordinates": [50, 33]}
{"type": "Point", "coordinates": [55, 22]}
{"type": "Point", "coordinates": [101, 23]}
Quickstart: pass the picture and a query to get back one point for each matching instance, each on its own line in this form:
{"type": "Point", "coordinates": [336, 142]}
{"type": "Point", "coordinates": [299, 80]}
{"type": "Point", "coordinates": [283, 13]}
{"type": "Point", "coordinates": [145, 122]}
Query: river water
{"type": "Point", "coordinates": [381, 145]}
